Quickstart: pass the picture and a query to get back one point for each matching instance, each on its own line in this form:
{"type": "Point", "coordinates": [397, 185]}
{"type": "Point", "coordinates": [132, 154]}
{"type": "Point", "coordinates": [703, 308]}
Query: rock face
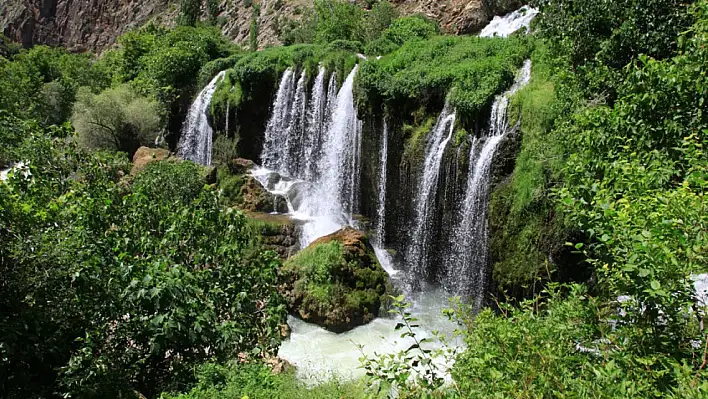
{"type": "Point", "coordinates": [279, 233]}
{"type": "Point", "coordinates": [96, 24]}
{"type": "Point", "coordinates": [146, 155]}
{"type": "Point", "coordinates": [336, 282]}
{"type": "Point", "coordinates": [79, 25]}
{"type": "Point", "coordinates": [253, 197]}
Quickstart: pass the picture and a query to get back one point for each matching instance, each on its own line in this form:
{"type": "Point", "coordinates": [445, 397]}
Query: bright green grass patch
{"type": "Point", "coordinates": [255, 381]}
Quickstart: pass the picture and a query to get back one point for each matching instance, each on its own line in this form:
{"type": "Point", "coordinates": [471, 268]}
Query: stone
{"type": "Point", "coordinates": [336, 282]}
{"type": "Point", "coordinates": [278, 233]}
{"type": "Point", "coordinates": [254, 197]}
{"type": "Point", "coordinates": [144, 155]}
{"type": "Point", "coordinates": [241, 166]}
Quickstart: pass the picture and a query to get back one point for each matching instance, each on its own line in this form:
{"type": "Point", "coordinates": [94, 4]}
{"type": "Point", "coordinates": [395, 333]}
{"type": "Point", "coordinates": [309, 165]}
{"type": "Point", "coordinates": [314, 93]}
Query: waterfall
{"type": "Point", "coordinates": [275, 152]}
{"type": "Point", "coordinates": [417, 252]}
{"type": "Point", "coordinates": [333, 197]}
{"type": "Point", "coordinates": [381, 211]}
{"type": "Point", "coordinates": [316, 123]}
{"type": "Point", "coordinates": [510, 23]}
{"type": "Point", "coordinates": [196, 139]}
{"type": "Point", "coordinates": [467, 267]}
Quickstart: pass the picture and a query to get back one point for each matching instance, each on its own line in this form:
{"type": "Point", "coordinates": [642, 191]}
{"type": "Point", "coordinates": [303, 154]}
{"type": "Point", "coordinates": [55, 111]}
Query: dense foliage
{"type": "Point", "coordinates": [135, 284]}
{"type": "Point", "coordinates": [473, 70]}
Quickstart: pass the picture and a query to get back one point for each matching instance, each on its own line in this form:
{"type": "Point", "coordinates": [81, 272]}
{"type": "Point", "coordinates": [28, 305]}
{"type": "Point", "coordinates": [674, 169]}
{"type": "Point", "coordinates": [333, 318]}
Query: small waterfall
{"type": "Point", "coordinates": [316, 124]}
{"type": "Point", "coordinates": [334, 194]}
{"type": "Point", "coordinates": [381, 211]}
{"type": "Point", "coordinates": [467, 267]}
{"type": "Point", "coordinates": [196, 139]}
{"type": "Point", "coordinates": [275, 151]}
{"type": "Point", "coordinates": [417, 253]}
{"type": "Point", "coordinates": [510, 23]}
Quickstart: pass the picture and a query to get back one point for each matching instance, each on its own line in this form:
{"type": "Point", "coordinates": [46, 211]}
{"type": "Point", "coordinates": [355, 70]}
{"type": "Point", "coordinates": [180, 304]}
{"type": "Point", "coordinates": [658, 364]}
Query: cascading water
{"type": "Point", "coordinates": [331, 200]}
{"type": "Point", "coordinates": [195, 143]}
{"type": "Point", "coordinates": [317, 116]}
{"type": "Point", "coordinates": [466, 268]}
{"type": "Point", "coordinates": [381, 210]}
{"type": "Point", "coordinates": [510, 23]}
{"type": "Point", "coordinates": [417, 255]}
{"type": "Point", "coordinates": [326, 202]}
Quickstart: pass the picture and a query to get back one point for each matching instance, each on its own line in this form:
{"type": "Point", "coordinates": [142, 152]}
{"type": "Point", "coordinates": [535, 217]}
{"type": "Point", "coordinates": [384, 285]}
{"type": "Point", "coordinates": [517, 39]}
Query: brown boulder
{"type": "Point", "coordinates": [144, 155]}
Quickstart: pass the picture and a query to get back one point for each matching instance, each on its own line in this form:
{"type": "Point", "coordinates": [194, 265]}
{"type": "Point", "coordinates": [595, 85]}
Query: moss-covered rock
{"type": "Point", "coordinates": [245, 192]}
{"type": "Point", "coordinates": [279, 233]}
{"type": "Point", "coordinates": [337, 282]}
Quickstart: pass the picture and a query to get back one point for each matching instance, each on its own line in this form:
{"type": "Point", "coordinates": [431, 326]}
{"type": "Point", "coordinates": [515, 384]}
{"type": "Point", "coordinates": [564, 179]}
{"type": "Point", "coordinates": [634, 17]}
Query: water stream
{"type": "Point", "coordinates": [417, 253]}
{"type": "Point", "coordinates": [510, 23]}
{"type": "Point", "coordinates": [195, 141]}
{"type": "Point", "coordinates": [467, 266]}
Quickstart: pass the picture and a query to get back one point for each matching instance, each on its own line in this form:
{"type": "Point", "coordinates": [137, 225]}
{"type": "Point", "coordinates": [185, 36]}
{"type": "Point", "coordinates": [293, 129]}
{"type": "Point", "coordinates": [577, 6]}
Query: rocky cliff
{"type": "Point", "coordinates": [95, 24]}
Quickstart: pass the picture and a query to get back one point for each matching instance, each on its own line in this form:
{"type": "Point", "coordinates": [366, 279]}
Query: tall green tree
{"type": "Point", "coordinates": [189, 12]}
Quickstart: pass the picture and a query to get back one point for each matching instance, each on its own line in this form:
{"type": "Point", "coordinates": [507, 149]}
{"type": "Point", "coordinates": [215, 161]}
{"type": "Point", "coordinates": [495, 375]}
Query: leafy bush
{"type": "Point", "coordinates": [601, 37]}
{"type": "Point", "coordinates": [41, 83]}
{"type": "Point", "coordinates": [117, 119]}
{"type": "Point", "coordinates": [133, 288]}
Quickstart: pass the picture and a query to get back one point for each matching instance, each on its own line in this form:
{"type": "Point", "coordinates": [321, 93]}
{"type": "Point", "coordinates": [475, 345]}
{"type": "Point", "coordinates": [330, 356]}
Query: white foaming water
{"type": "Point", "coordinates": [510, 23]}
{"type": "Point", "coordinates": [333, 198]}
{"type": "Point", "coordinates": [466, 268]}
{"type": "Point", "coordinates": [381, 211]}
{"type": "Point", "coordinates": [417, 251]}
{"type": "Point", "coordinates": [196, 140]}
{"type": "Point", "coordinates": [320, 355]}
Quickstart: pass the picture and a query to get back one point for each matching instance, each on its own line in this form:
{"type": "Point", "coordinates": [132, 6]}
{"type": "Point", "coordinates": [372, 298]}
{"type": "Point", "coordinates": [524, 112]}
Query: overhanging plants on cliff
{"type": "Point", "coordinates": [472, 70]}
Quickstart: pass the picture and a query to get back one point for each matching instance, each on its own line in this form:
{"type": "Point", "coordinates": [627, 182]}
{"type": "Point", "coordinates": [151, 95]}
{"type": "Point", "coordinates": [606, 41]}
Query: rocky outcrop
{"type": "Point", "coordinates": [144, 155]}
{"type": "Point", "coordinates": [279, 233]}
{"type": "Point", "coordinates": [79, 25]}
{"type": "Point", "coordinates": [96, 24]}
{"type": "Point", "coordinates": [253, 197]}
{"type": "Point", "coordinates": [459, 16]}
{"type": "Point", "coordinates": [337, 282]}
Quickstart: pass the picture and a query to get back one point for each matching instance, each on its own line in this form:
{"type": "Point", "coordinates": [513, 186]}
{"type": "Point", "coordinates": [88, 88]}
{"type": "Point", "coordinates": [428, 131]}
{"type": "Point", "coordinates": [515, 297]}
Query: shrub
{"type": "Point", "coordinates": [117, 119]}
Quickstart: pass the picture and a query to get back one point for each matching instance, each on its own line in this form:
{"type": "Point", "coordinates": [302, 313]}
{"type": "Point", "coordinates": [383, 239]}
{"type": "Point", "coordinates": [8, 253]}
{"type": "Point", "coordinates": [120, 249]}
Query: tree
{"type": "Point", "coordinates": [117, 119]}
{"type": "Point", "coordinates": [213, 11]}
{"type": "Point", "coordinates": [253, 39]}
{"type": "Point", "coordinates": [189, 12]}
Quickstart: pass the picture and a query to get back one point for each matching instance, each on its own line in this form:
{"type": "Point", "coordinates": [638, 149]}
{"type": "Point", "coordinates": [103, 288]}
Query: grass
{"type": "Point", "coordinates": [525, 228]}
{"type": "Point", "coordinates": [255, 381]}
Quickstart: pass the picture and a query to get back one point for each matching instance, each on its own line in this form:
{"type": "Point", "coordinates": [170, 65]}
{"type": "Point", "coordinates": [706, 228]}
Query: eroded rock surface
{"type": "Point", "coordinates": [96, 24]}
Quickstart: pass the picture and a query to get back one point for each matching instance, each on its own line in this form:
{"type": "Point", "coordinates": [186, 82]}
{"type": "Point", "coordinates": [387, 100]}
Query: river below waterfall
{"type": "Point", "coordinates": [320, 355]}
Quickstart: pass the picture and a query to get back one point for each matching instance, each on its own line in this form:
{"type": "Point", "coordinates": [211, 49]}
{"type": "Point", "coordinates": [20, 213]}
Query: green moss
{"type": "Point", "coordinates": [230, 186]}
{"type": "Point", "coordinates": [414, 148]}
{"type": "Point", "coordinates": [525, 230]}
{"type": "Point", "coordinates": [317, 264]}
{"type": "Point", "coordinates": [337, 284]}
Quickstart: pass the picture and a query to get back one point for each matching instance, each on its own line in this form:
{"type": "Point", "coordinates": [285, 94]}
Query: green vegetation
{"type": "Point", "coordinates": [132, 283]}
{"type": "Point", "coordinates": [375, 32]}
{"type": "Point", "coordinates": [117, 119]}
{"type": "Point", "coordinates": [255, 381]}
{"type": "Point", "coordinates": [471, 69]}
{"type": "Point", "coordinates": [336, 282]}
{"type": "Point", "coordinates": [121, 285]}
